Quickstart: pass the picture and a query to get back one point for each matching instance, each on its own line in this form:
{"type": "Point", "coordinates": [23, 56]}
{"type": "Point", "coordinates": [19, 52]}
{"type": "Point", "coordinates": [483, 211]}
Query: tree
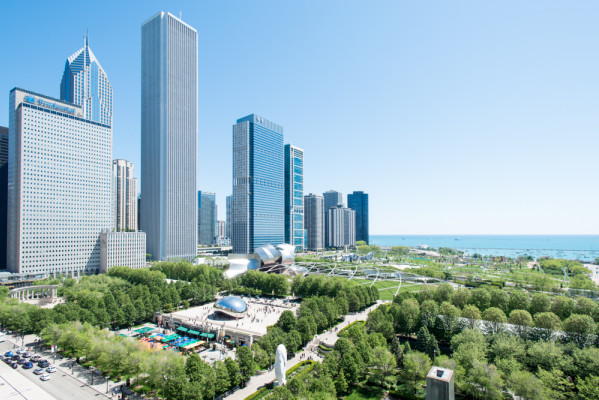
{"type": "Point", "coordinates": [472, 313]}
{"type": "Point", "coordinates": [397, 351]}
{"type": "Point", "coordinates": [500, 299]}
{"type": "Point", "coordinates": [341, 384]}
{"type": "Point", "coordinates": [579, 329]}
{"type": "Point", "coordinates": [562, 306]}
{"type": "Point", "coordinates": [245, 358]}
{"type": "Point", "coordinates": [222, 382]}
{"type": "Point", "coordinates": [416, 367]}
{"type": "Point", "coordinates": [558, 386]}
{"type": "Point", "coordinates": [429, 310]}
{"type": "Point", "coordinates": [540, 302]}
{"type": "Point", "coordinates": [546, 355]}
{"type": "Point", "coordinates": [547, 323]}
{"type": "Point", "coordinates": [444, 292]}
{"type": "Point", "coordinates": [587, 388]}
{"type": "Point", "coordinates": [408, 316]}
{"type": "Point", "coordinates": [521, 320]}
{"type": "Point", "coordinates": [287, 321]}
{"type": "Point", "coordinates": [527, 386]}
{"type": "Point", "coordinates": [427, 343]}
{"type": "Point", "coordinates": [494, 319]}
{"type": "Point", "coordinates": [480, 298]}
{"type": "Point", "coordinates": [449, 317]}
{"type": "Point", "coordinates": [519, 301]}
{"type": "Point", "coordinates": [382, 367]}
{"type": "Point", "coordinates": [461, 298]}
{"type": "Point", "coordinates": [233, 371]}
{"type": "Point", "coordinates": [483, 381]}
{"type": "Point", "coordinates": [507, 346]}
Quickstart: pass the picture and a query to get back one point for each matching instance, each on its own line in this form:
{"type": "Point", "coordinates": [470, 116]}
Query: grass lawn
{"type": "Point", "coordinates": [365, 394]}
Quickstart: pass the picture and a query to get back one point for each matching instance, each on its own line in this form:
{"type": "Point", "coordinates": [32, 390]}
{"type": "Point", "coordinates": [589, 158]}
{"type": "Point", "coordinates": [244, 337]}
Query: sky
{"type": "Point", "coordinates": [461, 117]}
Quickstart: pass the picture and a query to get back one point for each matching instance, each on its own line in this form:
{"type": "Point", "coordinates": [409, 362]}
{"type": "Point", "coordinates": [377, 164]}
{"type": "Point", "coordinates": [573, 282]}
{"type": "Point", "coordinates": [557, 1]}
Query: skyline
{"type": "Point", "coordinates": [338, 89]}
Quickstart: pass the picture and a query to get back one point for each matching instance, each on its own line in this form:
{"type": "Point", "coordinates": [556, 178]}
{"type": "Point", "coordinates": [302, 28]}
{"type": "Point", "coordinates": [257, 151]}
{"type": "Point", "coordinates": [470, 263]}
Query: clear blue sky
{"type": "Point", "coordinates": [456, 117]}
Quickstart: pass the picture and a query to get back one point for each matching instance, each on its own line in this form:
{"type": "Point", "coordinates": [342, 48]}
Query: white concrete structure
{"type": "Point", "coordinates": [280, 365]}
{"type": "Point", "coordinates": [59, 186]}
{"type": "Point", "coordinates": [169, 130]}
{"type": "Point", "coordinates": [314, 221]}
{"type": "Point", "coordinates": [341, 226]}
{"type": "Point", "coordinates": [122, 249]}
{"type": "Point", "coordinates": [125, 196]}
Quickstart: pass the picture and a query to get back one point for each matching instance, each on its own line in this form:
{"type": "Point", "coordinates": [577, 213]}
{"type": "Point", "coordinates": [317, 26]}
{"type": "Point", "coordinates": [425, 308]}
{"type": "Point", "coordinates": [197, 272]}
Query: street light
{"type": "Point", "coordinates": [163, 380]}
{"type": "Point", "coordinates": [107, 380]}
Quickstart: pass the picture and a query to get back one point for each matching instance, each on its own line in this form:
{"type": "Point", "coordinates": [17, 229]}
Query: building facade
{"type": "Point", "coordinates": [358, 201]}
{"type": "Point", "coordinates": [169, 137]}
{"type": "Point", "coordinates": [258, 184]}
{"type": "Point", "coordinates": [3, 193]}
{"type": "Point", "coordinates": [59, 186]}
{"type": "Point", "coordinates": [125, 196]}
{"type": "Point", "coordinates": [314, 221]}
{"type": "Point", "coordinates": [206, 218]}
{"type": "Point", "coordinates": [332, 198]}
{"type": "Point", "coordinates": [228, 217]}
{"type": "Point", "coordinates": [294, 196]}
{"type": "Point", "coordinates": [122, 249]}
{"type": "Point", "coordinates": [85, 83]}
{"type": "Point", "coordinates": [221, 229]}
{"type": "Point", "coordinates": [342, 226]}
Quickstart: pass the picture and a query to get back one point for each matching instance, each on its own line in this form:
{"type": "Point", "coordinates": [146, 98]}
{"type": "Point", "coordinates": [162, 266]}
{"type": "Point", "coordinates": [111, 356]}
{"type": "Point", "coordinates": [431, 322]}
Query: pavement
{"type": "Point", "coordinates": [310, 352]}
{"type": "Point", "coordinates": [64, 384]}
{"type": "Point", "coordinates": [594, 272]}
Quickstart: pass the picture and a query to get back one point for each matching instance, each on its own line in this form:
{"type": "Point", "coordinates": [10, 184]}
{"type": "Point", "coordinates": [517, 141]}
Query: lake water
{"type": "Point", "coordinates": [574, 247]}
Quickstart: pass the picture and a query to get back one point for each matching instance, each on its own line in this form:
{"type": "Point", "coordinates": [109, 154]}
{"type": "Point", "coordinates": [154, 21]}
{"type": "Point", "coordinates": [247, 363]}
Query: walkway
{"type": "Point", "coordinates": [309, 352]}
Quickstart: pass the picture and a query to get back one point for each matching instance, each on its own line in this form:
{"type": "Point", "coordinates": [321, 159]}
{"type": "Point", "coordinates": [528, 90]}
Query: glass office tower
{"type": "Point", "coordinates": [206, 218]}
{"type": "Point", "coordinates": [332, 198]}
{"type": "Point", "coordinates": [294, 193]}
{"type": "Point", "coordinates": [258, 184]}
{"type": "Point", "coordinates": [85, 83]}
{"type": "Point", "coordinates": [358, 201]}
{"type": "Point", "coordinates": [169, 94]}
{"type": "Point", "coordinates": [314, 221]}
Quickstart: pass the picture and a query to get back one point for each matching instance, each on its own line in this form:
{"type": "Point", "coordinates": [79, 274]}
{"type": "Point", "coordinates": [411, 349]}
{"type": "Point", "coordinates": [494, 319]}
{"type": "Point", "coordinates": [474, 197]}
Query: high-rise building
{"type": "Point", "coordinates": [314, 221]}
{"type": "Point", "coordinates": [169, 72]}
{"type": "Point", "coordinates": [122, 249]}
{"type": "Point", "coordinates": [228, 217]}
{"type": "Point", "coordinates": [59, 186]}
{"type": "Point", "coordinates": [294, 196]}
{"type": "Point", "coordinates": [220, 229]}
{"type": "Point", "coordinates": [332, 198]}
{"type": "Point", "coordinates": [85, 83]}
{"type": "Point", "coordinates": [3, 193]}
{"type": "Point", "coordinates": [206, 218]}
{"type": "Point", "coordinates": [342, 226]}
{"type": "Point", "coordinates": [258, 184]}
{"type": "Point", "coordinates": [125, 196]}
{"type": "Point", "coordinates": [358, 201]}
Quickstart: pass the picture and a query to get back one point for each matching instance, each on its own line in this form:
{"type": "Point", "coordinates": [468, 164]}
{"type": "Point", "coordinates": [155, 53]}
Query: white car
{"type": "Point", "coordinates": [51, 370]}
{"type": "Point", "coordinates": [45, 377]}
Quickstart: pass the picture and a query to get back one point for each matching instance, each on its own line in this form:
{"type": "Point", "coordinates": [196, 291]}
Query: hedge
{"type": "Point", "coordinates": [341, 332]}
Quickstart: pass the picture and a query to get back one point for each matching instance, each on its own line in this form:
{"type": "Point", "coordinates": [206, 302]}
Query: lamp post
{"type": "Point", "coordinates": [163, 381]}
{"type": "Point", "coordinates": [107, 380]}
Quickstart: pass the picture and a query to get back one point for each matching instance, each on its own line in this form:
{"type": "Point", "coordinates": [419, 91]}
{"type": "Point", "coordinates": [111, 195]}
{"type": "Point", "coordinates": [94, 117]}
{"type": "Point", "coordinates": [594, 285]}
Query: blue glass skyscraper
{"type": "Point", "coordinates": [258, 184]}
{"type": "Point", "coordinates": [358, 201]}
{"type": "Point", "coordinates": [294, 196]}
{"type": "Point", "coordinates": [85, 83]}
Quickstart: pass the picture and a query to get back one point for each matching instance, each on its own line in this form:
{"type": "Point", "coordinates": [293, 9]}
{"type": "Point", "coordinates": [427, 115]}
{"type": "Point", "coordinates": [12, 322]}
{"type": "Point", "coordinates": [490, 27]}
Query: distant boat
{"type": "Point", "coordinates": [458, 238]}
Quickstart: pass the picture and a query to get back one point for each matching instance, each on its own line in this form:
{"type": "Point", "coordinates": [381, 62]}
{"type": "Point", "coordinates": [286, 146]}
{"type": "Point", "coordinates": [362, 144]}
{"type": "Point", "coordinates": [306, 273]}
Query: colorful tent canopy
{"type": "Point", "coordinates": [192, 332]}
{"type": "Point", "coordinates": [182, 329]}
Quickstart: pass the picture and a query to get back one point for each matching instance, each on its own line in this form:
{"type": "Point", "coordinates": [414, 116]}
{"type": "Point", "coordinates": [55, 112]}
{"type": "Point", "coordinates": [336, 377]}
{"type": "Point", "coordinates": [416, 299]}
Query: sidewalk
{"type": "Point", "coordinates": [309, 352]}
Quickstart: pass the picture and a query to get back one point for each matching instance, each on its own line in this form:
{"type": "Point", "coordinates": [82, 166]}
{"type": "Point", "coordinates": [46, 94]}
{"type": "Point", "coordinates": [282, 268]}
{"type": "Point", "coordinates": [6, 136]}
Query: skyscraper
{"type": "Point", "coordinates": [59, 186]}
{"type": "Point", "coordinates": [258, 184]}
{"type": "Point", "coordinates": [358, 201]}
{"type": "Point", "coordinates": [314, 221]}
{"type": "Point", "coordinates": [3, 192]}
{"type": "Point", "coordinates": [85, 83]}
{"type": "Point", "coordinates": [294, 196]}
{"type": "Point", "coordinates": [331, 199]}
{"type": "Point", "coordinates": [169, 136]}
{"type": "Point", "coordinates": [206, 218]}
{"type": "Point", "coordinates": [125, 196]}
{"type": "Point", "coordinates": [228, 217]}
{"type": "Point", "coordinates": [342, 226]}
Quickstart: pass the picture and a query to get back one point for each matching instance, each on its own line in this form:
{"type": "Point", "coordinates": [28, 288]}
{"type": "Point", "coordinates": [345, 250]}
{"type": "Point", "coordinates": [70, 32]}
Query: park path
{"type": "Point", "coordinates": [310, 351]}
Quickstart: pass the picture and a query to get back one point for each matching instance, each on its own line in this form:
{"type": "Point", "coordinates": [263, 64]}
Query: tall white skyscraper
{"type": "Point", "coordinates": [125, 196]}
{"type": "Point", "coordinates": [169, 88]}
{"type": "Point", "coordinates": [85, 83]}
{"type": "Point", "coordinates": [59, 186]}
{"type": "Point", "coordinates": [314, 221]}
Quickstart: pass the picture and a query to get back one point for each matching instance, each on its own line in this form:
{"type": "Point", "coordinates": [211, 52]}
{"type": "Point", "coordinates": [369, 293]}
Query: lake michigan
{"type": "Point", "coordinates": [573, 247]}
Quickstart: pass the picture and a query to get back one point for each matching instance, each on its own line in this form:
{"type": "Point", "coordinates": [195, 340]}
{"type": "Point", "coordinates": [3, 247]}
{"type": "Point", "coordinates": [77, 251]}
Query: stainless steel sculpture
{"type": "Point", "coordinates": [280, 364]}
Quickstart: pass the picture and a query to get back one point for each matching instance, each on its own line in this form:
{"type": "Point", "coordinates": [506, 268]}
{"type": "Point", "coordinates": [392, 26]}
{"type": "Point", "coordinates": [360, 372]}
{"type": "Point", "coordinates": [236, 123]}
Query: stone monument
{"type": "Point", "coordinates": [280, 365]}
{"type": "Point", "coordinates": [440, 384]}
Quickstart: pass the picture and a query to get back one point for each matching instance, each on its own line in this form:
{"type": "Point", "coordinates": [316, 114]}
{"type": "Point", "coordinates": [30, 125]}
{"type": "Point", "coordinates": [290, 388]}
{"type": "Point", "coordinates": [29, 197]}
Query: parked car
{"type": "Point", "coordinates": [35, 358]}
{"type": "Point", "coordinates": [8, 354]}
{"type": "Point", "coordinates": [26, 354]}
{"type": "Point", "coordinates": [19, 351]}
{"type": "Point", "coordinates": [51, 370]}
{"type": "Point", "coordinates": [43, 364]}
{"type": "Point", "coordinates": [16, 357]}
{"type": "Point", "coordinates": [14, 365]}
{"type": "Point", "coordinates": [21, 361]}
{"type": "Point", "coordinates": [27, 365]}
{"type": "Point", "coordinates": [38, 371]}
{"type": "Point", "coordinates": [45, 377]}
